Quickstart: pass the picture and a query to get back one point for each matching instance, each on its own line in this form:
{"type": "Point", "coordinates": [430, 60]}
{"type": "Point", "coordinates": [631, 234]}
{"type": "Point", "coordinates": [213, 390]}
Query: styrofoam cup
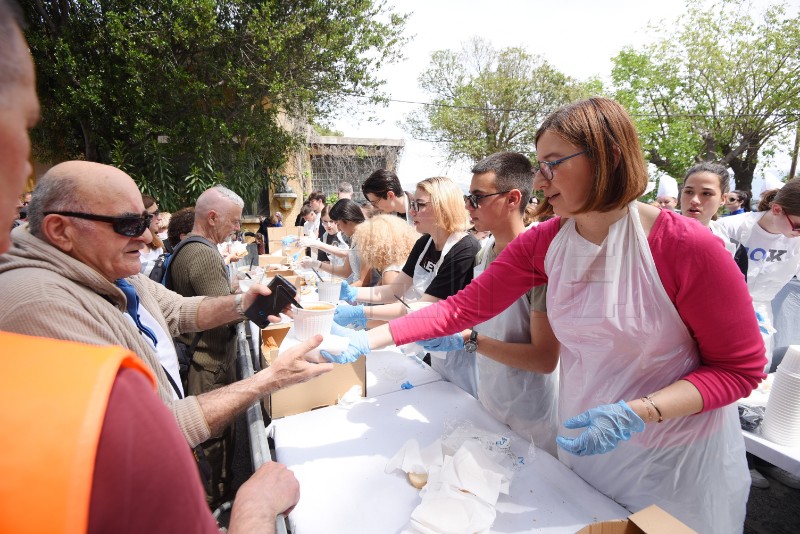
{"type": "Point", "coordinates": [329, 289]}
{"type": "Point", "coordinates": [312, 319]}
{"type": "Point", "coordinates": [791, 360]}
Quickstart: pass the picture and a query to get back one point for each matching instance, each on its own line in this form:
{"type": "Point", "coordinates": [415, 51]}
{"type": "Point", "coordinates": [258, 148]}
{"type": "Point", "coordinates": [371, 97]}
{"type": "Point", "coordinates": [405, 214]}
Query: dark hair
{"type": "Point", "coordinates": [604, 128]}
{"type": "Point", "coordinates": [380, 182]}
{"type": "Point", "coordinates": [787, 197]}
{"type": "Point", "coordinates": [347, 210]}
{"type": "Point", "coordinates": [148, 201]}
{"type": "Point", "coordinates": [316, 195]}
{"type": "Point", "coordinates": [512, 170]}
{"type": "Point", "coordinates": [745, 197]}
{"type": "Point", "coordinates": [181, 222]}
{"type": "Point", "coordinates": [717, 169]}
{"type": "Point", "coordinates": [12, 43]}
{"type": "Point", "coordinates": [306, 210]}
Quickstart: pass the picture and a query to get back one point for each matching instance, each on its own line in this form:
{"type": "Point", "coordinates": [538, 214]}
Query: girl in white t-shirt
{"type": "Point", "coordinates": [769, 239]}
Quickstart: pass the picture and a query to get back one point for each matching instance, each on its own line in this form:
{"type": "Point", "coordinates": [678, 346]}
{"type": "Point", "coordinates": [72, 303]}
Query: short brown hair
{"type": "Point", "coordinates": [606, 131]}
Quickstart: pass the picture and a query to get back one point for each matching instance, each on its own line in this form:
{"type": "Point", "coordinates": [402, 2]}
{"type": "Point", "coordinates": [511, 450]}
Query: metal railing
{"type": "Point", "coordinates": [259, 446]}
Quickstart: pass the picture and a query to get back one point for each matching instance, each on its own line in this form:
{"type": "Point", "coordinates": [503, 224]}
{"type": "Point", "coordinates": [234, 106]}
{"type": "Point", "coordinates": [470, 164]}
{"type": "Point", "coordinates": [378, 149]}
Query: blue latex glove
{"type": "Point", "coordinates": [348, 293]}
{"type": "Point", "coordinates": [352, 316]}
{"type": "Point", "coordinates": [443, 344]}
{"type": "Point", "coordinates": [607, 426]}
{"type": "Point", "coordinates": [358, 345]}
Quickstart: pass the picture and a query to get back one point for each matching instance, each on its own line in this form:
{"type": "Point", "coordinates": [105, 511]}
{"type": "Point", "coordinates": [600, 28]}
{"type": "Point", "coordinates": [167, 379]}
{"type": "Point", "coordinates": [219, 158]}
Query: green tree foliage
{"type": "Point", "coordinates": [183, 94]}
{"type": "Point", "coordinates": [717, 86]}
{"type": "Point", "coordinates": [486, 100]}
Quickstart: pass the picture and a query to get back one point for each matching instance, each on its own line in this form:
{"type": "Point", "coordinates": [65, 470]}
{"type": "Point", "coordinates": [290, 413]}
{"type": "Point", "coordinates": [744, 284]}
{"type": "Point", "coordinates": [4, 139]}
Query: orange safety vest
{"type": "Point", "coordinates": [53, 399]}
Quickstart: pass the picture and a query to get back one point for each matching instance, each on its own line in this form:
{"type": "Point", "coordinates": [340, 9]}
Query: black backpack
{"type": "Point", "coordinates": [185, 352]}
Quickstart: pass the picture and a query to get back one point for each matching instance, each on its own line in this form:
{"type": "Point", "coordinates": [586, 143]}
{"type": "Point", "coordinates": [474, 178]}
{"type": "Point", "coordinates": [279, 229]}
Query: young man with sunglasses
{"type": "Point", "coordinates": [517, 351]}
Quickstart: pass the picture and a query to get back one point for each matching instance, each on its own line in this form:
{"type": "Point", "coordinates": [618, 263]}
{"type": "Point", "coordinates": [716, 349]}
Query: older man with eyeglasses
{"type": "Point", "coordinates": [73, 274]}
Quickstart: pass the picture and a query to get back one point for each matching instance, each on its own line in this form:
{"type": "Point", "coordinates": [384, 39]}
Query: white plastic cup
{"type": "Point", "coordinates": [312, 319]}
{"type": "Point", "coordinates": [329, 289]}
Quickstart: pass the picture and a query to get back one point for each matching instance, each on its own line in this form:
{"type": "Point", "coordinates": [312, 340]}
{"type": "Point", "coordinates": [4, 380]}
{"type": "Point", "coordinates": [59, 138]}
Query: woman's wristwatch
{"type": "Point", "coordinates": [471, 345]}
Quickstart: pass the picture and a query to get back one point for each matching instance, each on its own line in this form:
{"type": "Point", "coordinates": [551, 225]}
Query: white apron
{"type": "Point", "coordinates": [622, 338]}
{"type": "Point", "coordinates": [457, 366]}
{"type": "Point", "coordinates": [524, 400]}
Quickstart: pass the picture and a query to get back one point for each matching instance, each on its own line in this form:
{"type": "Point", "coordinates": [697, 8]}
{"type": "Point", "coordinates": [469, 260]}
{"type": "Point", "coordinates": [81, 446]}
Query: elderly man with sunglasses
{"type": "Point", "coordinates": [73, 274]}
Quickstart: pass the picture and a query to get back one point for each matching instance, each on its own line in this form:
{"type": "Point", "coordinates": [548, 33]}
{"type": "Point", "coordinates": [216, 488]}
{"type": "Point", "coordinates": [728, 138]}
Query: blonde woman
{"type": "Point", "coordinates": [440, 264]}
{"type": "Point", "coordinates": [385, 242]}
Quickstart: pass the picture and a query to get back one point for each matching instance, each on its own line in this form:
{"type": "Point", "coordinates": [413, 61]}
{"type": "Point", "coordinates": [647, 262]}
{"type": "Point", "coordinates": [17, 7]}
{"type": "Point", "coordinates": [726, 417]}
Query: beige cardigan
{"type": "Point", "coordinates": [47, 293]}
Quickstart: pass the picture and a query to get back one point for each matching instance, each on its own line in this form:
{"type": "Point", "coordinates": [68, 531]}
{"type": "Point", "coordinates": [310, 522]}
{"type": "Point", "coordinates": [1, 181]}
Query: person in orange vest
{"type": "Point", "coordinates": [87, 444]}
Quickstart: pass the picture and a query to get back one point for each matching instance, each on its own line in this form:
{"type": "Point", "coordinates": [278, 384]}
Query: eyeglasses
{"type": "Point", "coordinates": [416, 205]}
{"type": "Point", "coordinates": [546, 167]}
{"type": "Point", "coordinates": [732, 199]}
{"type": "Point", "coordinates": [127, 225]}
{"type": "Point", "coordinates": [473, 199]}
{"type": "Point", "coordinates": [794, 225]}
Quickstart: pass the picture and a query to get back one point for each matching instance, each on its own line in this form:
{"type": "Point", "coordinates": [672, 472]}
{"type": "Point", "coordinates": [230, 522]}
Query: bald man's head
{"type": "Point", "coordinates": [218, 213]}
{"type": "Point", "coordinates": [81, 186]}
{"type": "Point", "coordinates": [93, 213]}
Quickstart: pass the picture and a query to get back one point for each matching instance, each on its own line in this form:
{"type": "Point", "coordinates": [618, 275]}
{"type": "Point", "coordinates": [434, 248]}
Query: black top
{"type": "Point", "coordinates": [331, 240]}
{"type": "Point", "coordinates": [455, 272]}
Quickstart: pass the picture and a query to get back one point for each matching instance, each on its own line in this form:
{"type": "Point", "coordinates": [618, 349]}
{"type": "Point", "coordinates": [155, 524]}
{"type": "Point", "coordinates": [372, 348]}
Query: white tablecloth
{"type": "Point", "coordinates": [389, 369]}
{"type": "Point", "coordinates": [339, 454]}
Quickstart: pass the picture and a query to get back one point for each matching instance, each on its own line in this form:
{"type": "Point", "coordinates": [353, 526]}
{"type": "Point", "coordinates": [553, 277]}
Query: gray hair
{"type": "Point", "coordinates": [53, 193]}
{"type": "Point", "coordinates": [228, 194]}
{"type": "Point", "coordinates": [12, 43]}
{"type": "Point", "coordinates": [345, 187]}
{"type": "Point", "coordinates": [210, 200]}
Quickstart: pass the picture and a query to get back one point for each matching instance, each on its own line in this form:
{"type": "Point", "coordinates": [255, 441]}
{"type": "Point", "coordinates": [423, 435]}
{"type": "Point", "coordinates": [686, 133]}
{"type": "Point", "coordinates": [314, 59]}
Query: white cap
{"type": "Point", "coordinates": [667, 187]}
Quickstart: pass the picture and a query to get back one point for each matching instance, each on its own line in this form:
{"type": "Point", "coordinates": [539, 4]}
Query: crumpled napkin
{"type": "Point", "coordinates": [411, 459]}
{"type": "Point", "coordinates": [446, 510]}
{"type": "Point", "coordinates": [470, 469]}
{"type": "Point", "coordinates": [462, 489]}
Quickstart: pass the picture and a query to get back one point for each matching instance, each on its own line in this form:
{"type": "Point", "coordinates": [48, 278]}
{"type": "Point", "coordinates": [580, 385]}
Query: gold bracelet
{"type": "Point", "coordinates": [647, 408]}
{"type": "Point", "coordinates": [650, 399]}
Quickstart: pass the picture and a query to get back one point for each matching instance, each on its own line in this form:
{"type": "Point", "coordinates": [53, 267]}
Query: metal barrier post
{"type": "Point", "coordinates": [259, 447]}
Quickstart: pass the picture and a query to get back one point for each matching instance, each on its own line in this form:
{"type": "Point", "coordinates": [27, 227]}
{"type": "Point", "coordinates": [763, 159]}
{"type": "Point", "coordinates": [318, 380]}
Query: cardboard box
{"type": "Point", "coordinates": [324, 390]}
{"type": "Point", "coordinates": [651, 520]}
{"type": "Point", "coordinates": [271, 339]}
{"type": "Point", "coordinates": [265, 260]}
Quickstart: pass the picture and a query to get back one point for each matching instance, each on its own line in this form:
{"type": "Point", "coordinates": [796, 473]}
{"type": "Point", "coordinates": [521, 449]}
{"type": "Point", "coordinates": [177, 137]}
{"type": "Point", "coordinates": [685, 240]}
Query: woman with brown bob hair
{"type": "Point", "coordinates": [642, 357]}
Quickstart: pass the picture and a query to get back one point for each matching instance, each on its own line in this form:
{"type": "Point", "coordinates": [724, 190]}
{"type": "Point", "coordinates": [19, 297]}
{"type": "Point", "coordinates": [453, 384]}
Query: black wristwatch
{"type": "Point", "coordinates": [471, 345]}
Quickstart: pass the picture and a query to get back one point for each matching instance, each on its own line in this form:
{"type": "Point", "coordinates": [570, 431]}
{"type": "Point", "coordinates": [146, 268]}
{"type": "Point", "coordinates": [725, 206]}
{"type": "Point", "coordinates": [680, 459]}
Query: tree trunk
{"type": "Point", "coordinates": [89, 146]}
{"type": "Point", "coordinates": [743, 170]}
{"type": "Point", "coordinates": [793, 170]}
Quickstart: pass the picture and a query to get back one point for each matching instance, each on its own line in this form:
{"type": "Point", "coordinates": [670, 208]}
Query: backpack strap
{"type": "Point", "coordinates": [178, 248]}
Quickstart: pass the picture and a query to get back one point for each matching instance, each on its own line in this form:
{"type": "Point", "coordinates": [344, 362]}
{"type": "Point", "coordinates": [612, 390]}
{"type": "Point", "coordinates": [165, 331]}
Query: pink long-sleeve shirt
{"type": "Point", "coordinates": [698, 274]}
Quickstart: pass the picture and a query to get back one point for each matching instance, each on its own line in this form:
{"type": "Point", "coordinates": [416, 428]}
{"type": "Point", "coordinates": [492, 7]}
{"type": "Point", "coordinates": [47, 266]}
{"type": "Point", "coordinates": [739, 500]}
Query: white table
{"type": "Point", "coordinates": [389, 369]}
{"type": "Point", "coordinates": [339, 454]}
{"type": "Point", "coordinates": [787, 458]}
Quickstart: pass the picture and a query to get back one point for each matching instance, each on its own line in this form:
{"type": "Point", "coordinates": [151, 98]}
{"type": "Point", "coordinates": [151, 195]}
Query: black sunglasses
{"type": "Point", "coordinates": [127, 225]}
{"type": "Point", "coordinates": [473, 199]}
